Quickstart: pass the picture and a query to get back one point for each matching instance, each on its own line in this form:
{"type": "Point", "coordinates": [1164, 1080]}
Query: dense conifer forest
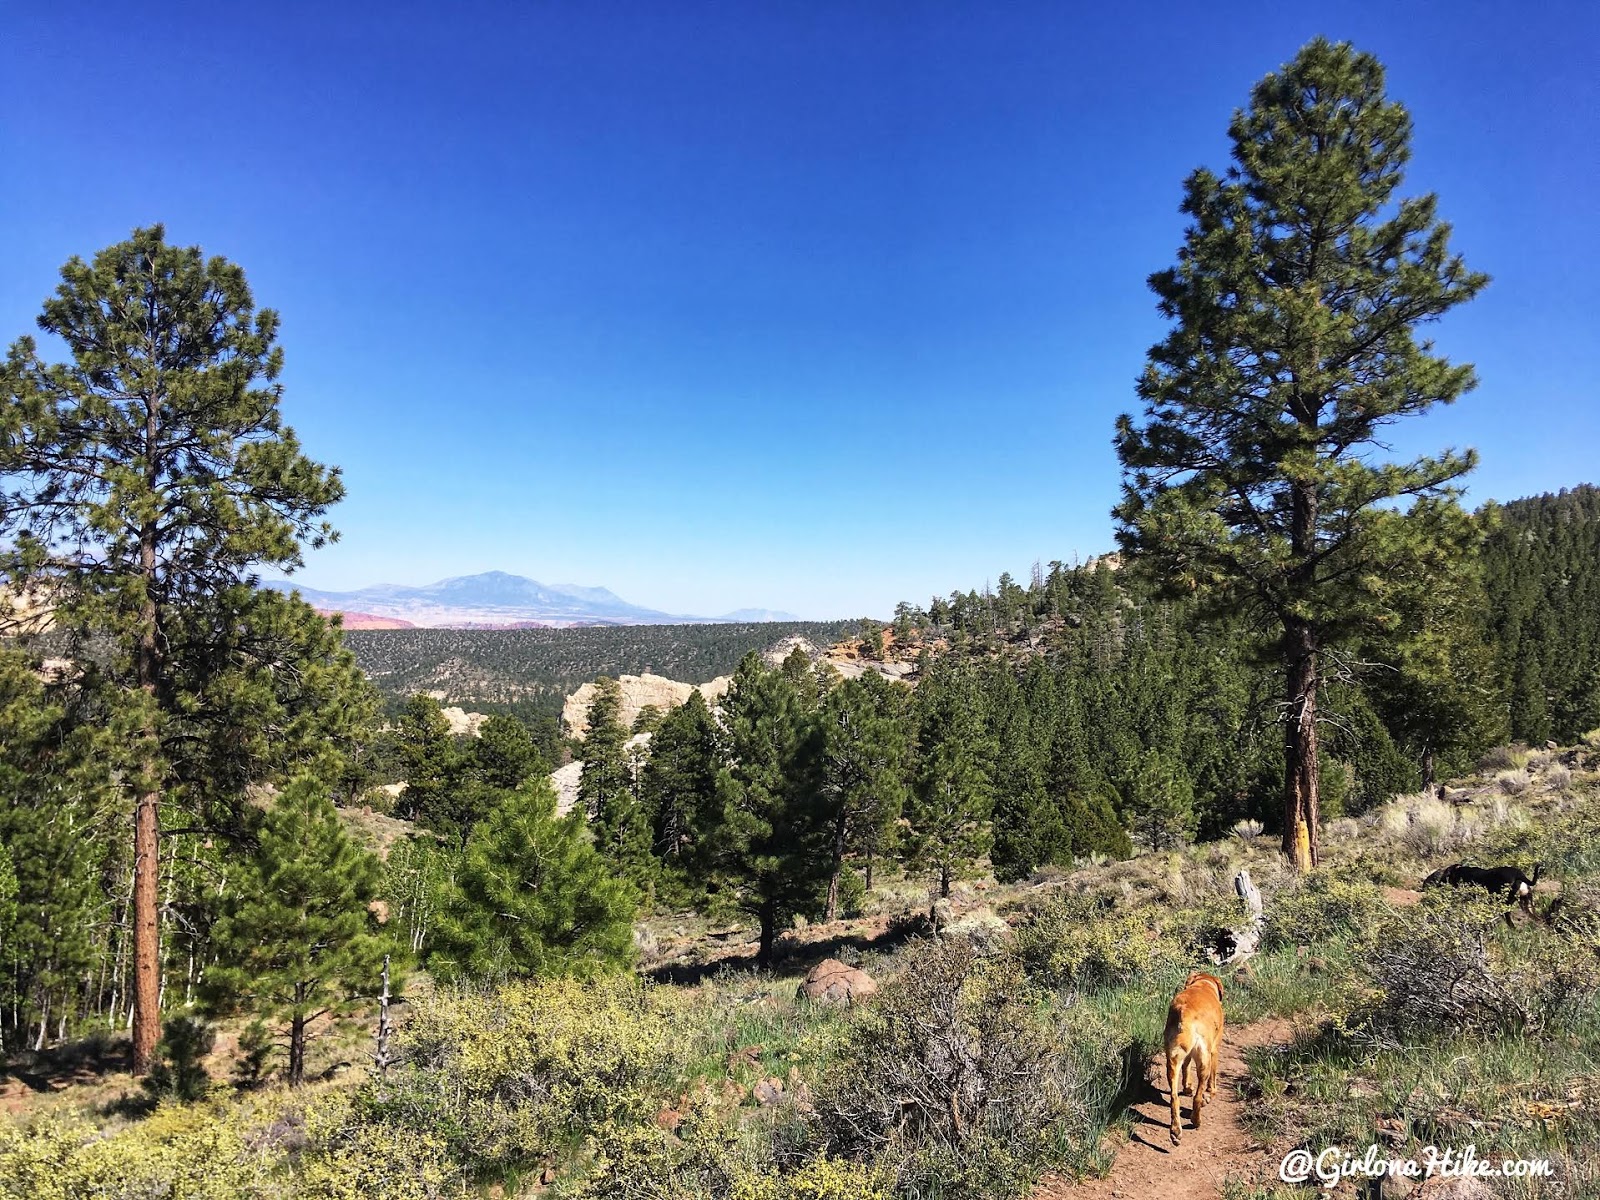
{"type": "Point", "coordinates": [1541, 569]}
{"type": "Point", "coordinates": [534, 669]}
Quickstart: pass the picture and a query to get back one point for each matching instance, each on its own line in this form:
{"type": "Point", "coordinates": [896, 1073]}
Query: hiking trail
{"type": "Point", "coordinates": [1149, 1167]}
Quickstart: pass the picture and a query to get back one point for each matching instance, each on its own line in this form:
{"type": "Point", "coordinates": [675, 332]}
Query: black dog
{"type": "Point", "coordinates": [1509, 882]}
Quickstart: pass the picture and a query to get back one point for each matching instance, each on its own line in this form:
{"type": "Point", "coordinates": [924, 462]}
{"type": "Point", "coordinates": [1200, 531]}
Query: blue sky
{"type": "Point", "coordinates": [814, 306]}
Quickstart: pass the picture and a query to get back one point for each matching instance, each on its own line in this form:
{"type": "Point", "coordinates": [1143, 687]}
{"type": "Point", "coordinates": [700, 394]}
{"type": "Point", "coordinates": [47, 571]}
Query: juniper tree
{"type": "Point", "coordinates": [1253, 480]}
{"type": "Point", "coordinates": [296, 940]}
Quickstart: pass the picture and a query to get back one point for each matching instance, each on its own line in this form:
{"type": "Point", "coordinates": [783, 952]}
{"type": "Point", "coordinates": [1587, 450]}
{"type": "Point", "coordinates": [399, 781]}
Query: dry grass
{"type": "Point", "coordinates": [1504, 758]}
{"type": "Point", "coordinates": [1513, 783]}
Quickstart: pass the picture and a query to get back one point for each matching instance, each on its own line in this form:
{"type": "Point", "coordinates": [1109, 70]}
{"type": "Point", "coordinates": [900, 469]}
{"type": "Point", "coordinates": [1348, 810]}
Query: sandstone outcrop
{"type": "Point", "coordinates": [462, 721]}
{"type": "Point", "coordinates": [638, 692]}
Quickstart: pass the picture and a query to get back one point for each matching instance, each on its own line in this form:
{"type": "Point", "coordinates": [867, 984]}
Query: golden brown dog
{"type": "Point", "coordinates": [1194, 1039]}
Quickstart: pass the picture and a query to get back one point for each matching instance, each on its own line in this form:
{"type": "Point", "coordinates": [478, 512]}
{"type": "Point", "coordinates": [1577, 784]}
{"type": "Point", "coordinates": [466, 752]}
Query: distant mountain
{"type": "Point", "coordinates": [746, 616]}
{"type": "Point", "coordinates": [497, 600]}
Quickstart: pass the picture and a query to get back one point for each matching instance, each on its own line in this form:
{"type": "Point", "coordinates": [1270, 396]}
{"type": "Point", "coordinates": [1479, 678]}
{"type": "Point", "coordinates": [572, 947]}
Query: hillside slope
{"type": "Point", "coordinates": [538, 668]}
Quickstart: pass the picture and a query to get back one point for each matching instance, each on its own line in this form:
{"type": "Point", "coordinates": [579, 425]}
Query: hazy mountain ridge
{"type": "Point", "coordinates": [497, 599]}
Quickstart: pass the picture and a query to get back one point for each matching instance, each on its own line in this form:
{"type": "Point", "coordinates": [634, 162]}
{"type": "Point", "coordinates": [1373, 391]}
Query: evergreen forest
{"type": "Point", "coordinates": [299, 938]}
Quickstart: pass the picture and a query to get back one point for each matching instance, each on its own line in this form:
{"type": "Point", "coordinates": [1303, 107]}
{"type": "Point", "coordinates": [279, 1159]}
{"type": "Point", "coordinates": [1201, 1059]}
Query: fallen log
{"type": "Point", "coordinates": [1236, 945]}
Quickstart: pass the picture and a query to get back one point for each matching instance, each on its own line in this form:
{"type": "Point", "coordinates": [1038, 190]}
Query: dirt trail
{"type": "Point", "coordinates": [1150, 1167]}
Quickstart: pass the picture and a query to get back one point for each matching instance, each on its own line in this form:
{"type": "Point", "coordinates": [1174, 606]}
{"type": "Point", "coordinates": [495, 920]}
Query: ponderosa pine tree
{"type": "Point", "coordinates": [951, 804]}
{"type": "Point", "coordinates": [532, 897]}
{"type": "Point", "coordinates": [762, 847]}
{"type": "Point", "coordinates": [431, 760]}
{"type": "Point", "coordinates": [504, 756]}
{"type": "Point", "coordinates": [603, 750]}
{"type": "Point", "coordinates": [296, 940]}
{"type": "Point", "coordinates": [864, 768]}
{"type": "Point", "coordinates": [608, 790]}
{"type": "Point", "coordinates": [142, 478]}
{"type": "Point", "coordinates": [1295, 301]}
{"type": "Point", "coordinates": [678, 787]}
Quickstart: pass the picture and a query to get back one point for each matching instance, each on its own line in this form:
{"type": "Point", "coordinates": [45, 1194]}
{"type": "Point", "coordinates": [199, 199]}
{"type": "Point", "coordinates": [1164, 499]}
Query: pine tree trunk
{"type": "Point", "coordinates": [146, 935]}
{"type": "Point", "coordinates": [146, 817]}
{"type": "Point", "coordinates": [297, 1038]}
{"type": "Point", "coordinates": [839, 830]}
{"type": "Point", "coordinates": [769, 930]}
{"type": "Point", "coordinates": [1427, 769]}
{"type": "Point", "coordinates": [1301, 815]}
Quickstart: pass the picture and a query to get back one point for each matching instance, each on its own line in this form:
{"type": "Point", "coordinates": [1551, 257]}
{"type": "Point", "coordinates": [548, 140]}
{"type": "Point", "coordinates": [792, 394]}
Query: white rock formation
{"type": "Point", "coordinates": [638, 691]}
{"type": "Point", "coordinates": [462, 721]}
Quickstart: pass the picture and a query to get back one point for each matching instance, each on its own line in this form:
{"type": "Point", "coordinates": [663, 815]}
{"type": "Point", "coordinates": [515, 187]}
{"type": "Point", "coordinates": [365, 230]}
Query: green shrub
{"type": "Point", "coordinates": [178, 1072]}
{"type": "Point", "coordinates": [712, 1158]}
{"type": "Point", "coordinates": [354, 1159]}
{"type": "Point", "coordinates": [1321, 908]}
{"type": "Point", "coordinates": [852, 892]}
{"type": "Point", "coordinates": [196, 1152]}
{"type": "Point", "coordinates": [514, 1074]}
{"type": "Point", "coordinates": [1071, 943]}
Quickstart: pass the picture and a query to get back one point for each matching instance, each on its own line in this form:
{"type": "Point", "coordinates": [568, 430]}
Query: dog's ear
{"type": "Point", "coordinates": [1218, 982]}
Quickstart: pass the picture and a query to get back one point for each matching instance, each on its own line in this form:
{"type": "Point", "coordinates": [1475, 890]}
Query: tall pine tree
{"type": "Point", "coordinates": [762, 847]}
{"type": "Point", "coordinates": [1300, 285]}
{"type": "Point", "coordinates": [150, 473]}
{"type": "Point", "coordinates": [949, 814]}
{"type": "Point", "coordinates": [865, 760]}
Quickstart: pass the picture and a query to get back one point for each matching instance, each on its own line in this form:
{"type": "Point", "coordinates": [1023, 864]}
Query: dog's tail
{"type": "Point", "coordinates": [1537, 867]}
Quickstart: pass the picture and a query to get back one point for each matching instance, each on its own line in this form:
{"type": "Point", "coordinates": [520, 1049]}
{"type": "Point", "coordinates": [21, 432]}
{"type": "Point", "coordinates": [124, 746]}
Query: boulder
{"type": "Point", "coordinates": [834, 983]}
{"type": "Point", "coordinates": [565, 780]}
{"type": "Point", "coordinates": [769, 1092]}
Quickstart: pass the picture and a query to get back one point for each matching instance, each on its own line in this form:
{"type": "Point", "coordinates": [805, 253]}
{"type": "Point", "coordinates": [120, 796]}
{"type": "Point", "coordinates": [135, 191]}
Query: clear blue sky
{"type": "Point", "coordinates": [813, 306]}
